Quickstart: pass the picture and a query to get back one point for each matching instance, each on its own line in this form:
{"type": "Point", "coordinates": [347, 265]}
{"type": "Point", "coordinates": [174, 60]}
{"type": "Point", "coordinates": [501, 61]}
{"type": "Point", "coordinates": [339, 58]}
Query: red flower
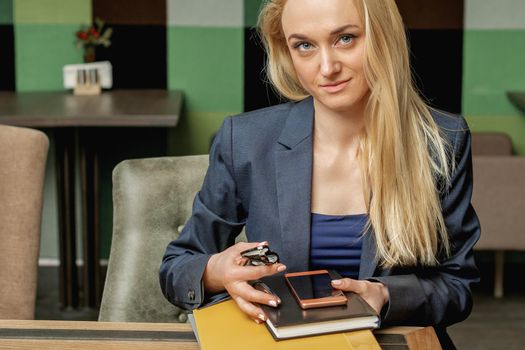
{"type": "Point", "coordinates": [82, 35]}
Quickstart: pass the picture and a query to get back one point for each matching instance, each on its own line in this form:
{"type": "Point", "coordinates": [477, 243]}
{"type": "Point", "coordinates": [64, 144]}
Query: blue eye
{"type": "Point", "coordinates": [346, 39]}
{"type": "Point", "coordinates": [303, 46]}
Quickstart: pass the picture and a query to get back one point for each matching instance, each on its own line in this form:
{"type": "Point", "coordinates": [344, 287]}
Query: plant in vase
{"type": "Point", "coordinates": [90, 37]}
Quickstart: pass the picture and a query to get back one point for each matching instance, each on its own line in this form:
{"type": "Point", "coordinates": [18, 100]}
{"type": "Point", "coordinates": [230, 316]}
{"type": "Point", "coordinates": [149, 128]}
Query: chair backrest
{"type": "Point", "coordinates": [491, 144]}
{"type": "Point", "coordinates": [152, 200]}
{"type": "Point", "coordinates": [499, 192]}
{"type": "Point", "coordinates": [23, 155]}
{"type": "Point", "coordinates": [499, 200]}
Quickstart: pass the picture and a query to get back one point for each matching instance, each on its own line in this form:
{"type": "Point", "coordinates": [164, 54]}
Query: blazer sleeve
{"type": "Point", "coordinates": [441, 295]}
{"type": "Point", "coordinates": [217, 218]}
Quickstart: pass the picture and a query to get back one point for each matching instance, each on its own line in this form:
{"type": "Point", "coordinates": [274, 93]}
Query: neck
{"type": "Point", "coordinates": [338, 129]}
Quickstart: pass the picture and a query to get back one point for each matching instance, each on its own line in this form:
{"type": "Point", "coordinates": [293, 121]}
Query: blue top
{"type": "Point", "coordinates": [336, 243]}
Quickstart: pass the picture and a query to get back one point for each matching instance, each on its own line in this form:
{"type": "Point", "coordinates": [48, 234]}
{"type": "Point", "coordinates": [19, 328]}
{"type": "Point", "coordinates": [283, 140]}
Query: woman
{"type": "Point", "coordinates": [358, 175]}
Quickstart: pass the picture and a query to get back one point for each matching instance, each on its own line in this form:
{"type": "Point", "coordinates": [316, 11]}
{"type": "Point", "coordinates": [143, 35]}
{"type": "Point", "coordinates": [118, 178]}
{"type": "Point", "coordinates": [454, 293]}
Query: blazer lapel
{"type": "Point", "coordinates": [368, 256]}
{"type": "Point", "coordinates": [293, 166]}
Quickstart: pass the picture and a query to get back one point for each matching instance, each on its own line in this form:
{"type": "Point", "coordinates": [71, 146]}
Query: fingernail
{"type": "Point", "coordinates": [281, 268]}
{"type": "Point", "coordinates": [257, 321]}
{"type": "Point", "coordinates": [336, 282]}
{"type": "Point", "coordinates": [272, 303]}
{"type": "Point", "coordinates": [261, 317]}
{"type": "Point", "coordinates": [278, 301]}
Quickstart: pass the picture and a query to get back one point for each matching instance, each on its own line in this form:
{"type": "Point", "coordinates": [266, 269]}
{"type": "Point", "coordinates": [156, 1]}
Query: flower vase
{"type": "Point", "coordinates": [89, 54]}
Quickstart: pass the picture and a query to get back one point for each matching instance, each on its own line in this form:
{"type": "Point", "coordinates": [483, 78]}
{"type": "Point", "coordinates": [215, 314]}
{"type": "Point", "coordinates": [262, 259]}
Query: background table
{"type": "Point", "coordinates": [111, 335]}
{"type": "Point", "coordinates": [73, 119]}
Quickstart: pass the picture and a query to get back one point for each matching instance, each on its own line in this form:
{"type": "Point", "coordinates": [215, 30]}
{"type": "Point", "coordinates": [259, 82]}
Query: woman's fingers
{"type": "Point", "coordinates": [242, 246]}
{"type": "Point", "coordinates": [251, 273]}
{"type": "Point", "coordinates": [250, 294]}
{"type": "Point", "coordinates": [250, 309]}
{"type": "Point", "coordinates": [374, 293]}
{"type": "Point", "coordinates": [229, 271]}
{"type": "Point", "coordinates": [350, 285]}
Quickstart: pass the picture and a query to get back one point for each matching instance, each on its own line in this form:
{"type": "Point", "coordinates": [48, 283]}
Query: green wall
{"type": "Point", "coordinates": [206, 60]}
{"type": "Point", "coordinates": [6, 11]}
{"type": "Point", "coordinates": [205, 45]}
{"type": "Point", "coordinates": [44, 40]}
{"type": "Point", "coordinates": [494, 63]}
{"type": "Point", "coordinates": [205, 48]}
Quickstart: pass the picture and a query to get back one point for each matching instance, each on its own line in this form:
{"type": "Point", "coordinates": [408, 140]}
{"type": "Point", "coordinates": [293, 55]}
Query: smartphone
{"type": "Point", "coordinates": [313, 289]}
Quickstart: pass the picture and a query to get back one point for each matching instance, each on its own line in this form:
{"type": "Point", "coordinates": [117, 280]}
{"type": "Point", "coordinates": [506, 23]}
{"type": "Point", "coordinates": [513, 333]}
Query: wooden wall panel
{"type": "Point", "coordinates": [131, 12]}
{"type": "Point", "coordinates": [432, 14]}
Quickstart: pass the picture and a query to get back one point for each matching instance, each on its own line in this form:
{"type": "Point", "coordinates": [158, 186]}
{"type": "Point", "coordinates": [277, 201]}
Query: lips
{"type": "Point", "coordinates": [336, 86]}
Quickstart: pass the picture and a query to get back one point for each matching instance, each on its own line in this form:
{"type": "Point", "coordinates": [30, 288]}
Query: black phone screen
{"type": "Point", "coordinates": [312, 286]}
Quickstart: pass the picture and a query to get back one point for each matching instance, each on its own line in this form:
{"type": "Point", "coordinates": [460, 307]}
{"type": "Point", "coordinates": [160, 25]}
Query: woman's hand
{"type": "Point", "coordinates": [374, 293]}
{"type": "Point", "coordinates": [225, 271]}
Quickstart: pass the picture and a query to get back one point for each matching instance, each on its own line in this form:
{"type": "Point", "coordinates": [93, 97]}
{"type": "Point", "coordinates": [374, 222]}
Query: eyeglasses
{"type": "Point", "coordinates": [260, 255]}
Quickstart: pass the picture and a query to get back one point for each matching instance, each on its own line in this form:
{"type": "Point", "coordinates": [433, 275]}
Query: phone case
{"type": "Point", "coordinates": [339, 299]}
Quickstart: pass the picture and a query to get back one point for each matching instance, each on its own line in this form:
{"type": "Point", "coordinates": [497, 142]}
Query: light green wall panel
{"type": "Point", "coordinates": [251, 11]}
{"type": "Point", "coordinates": [513, 126]}
{"type": "Point", "coordinates": [6, 11]}
{"type": "Point", "coordinates": [194, 132]}
{"type": "Point", "coordinates": [205, 13]}
{"type": "Point", "coordinates": [491, 14]}
{"type": "Point", "coordinates": [41, 51]}
{"type": "Point", "coordinates": [52, 11]}
{"type": "Point", "coordinates": [494, 63]}
{"type": "Point", "coordinates": [207, 64]}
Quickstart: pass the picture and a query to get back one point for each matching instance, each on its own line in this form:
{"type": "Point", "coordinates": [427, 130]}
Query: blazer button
{"type": "Point", "coordinates": [191, 294]}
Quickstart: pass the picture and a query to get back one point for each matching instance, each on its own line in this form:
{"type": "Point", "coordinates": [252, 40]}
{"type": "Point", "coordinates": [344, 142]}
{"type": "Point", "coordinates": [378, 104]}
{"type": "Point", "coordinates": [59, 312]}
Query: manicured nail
{"type": "Point", "coordinates": [336, 282]}
{"type": "Point", "coordinates": [281, 268]}
{"type": "Point", "coordinates": [261, 317]}
{"type": "Point", "coordinates": [272, 303]}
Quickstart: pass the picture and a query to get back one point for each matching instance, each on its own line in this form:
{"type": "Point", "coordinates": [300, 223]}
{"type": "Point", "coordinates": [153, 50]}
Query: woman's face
{"type": "Point", "coordinates": [326, 42]}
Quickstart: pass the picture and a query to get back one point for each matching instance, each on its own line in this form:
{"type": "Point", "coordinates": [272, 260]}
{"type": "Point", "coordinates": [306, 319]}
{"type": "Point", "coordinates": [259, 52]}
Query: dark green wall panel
{"type": "Point", "coordinates": [6, 12]}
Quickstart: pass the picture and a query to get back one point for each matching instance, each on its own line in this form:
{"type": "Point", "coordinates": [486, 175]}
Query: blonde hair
{"type": "Point", "coordinates": [403, 154]}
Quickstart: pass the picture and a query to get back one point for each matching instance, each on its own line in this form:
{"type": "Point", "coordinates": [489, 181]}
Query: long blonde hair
{"type": "Point", "coordinates": [403, 154]}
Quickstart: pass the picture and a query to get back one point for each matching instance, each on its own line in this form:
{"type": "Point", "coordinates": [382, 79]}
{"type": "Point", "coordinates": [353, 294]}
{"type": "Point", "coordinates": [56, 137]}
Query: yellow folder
{"type": "Point", "coordinates": [224, 326]}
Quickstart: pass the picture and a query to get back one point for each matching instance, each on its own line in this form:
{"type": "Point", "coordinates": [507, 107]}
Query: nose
{"type": "Point", "coordinates": [330, 65]}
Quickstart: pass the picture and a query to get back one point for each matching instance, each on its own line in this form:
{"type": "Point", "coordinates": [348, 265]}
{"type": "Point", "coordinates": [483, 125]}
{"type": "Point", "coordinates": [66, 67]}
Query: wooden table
{"type": "Point", "coordinates": [54, 335]}
{"type": "Point", "coordinates": [70, 117]}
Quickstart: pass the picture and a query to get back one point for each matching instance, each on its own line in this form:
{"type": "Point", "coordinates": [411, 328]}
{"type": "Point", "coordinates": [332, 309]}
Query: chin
{"type": "Point", "coordinates": [341, 103]}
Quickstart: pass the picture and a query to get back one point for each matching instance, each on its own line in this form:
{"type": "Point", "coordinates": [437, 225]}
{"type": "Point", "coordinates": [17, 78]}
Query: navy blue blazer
{"type": "Point", "coordinates": [260, 176]}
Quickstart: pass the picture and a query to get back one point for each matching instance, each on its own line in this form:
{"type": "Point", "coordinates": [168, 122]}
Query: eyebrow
{"type": "Point", "coordinates": [332, 33]}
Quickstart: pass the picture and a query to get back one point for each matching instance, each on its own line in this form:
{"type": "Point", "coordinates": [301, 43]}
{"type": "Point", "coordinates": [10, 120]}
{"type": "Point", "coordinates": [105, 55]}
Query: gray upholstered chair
{"type": "Point", "coordinates": [23, 155]}
{"type": "Point", "coordinates": [499, 198]}
{"type": "Point", "coordinates": [152, 199]}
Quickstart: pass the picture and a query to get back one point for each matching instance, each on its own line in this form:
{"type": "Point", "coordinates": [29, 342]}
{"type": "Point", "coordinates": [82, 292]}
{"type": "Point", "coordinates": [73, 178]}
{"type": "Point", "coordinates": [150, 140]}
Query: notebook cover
{"type": "Point", "coordinates": [224, 326]}
{"type": "Point", "coordinates": [289, 312]}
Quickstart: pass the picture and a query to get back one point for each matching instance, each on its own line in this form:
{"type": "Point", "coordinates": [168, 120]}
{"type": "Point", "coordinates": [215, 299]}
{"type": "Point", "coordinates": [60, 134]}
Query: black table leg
{"type": "Point", "coordinates": [89, 177]}
{"type": "Point", "coordinates": [65, 168]}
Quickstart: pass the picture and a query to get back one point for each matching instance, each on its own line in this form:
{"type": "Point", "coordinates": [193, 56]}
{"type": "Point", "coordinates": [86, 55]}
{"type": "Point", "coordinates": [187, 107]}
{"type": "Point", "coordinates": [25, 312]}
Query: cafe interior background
{"type": "Point", "coordinates": [466, 54]}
